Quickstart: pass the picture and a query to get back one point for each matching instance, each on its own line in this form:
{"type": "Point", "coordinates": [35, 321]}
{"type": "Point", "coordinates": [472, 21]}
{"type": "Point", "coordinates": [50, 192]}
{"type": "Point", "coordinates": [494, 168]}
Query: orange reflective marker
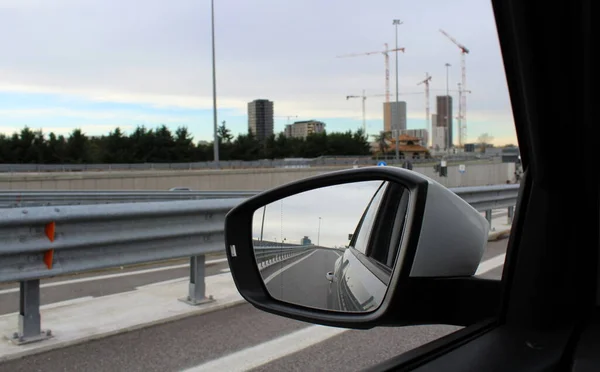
{"type": "Point", "coordinates": [50, 230]}
{"type": "Point", "coordinates": [48, 257]}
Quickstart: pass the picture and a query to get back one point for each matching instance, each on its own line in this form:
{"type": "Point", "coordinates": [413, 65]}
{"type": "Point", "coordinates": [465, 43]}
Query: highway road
{"type": "Point", "coordinates": [226, 340]}
{"type": "Point", "coordinates": [303, 281]}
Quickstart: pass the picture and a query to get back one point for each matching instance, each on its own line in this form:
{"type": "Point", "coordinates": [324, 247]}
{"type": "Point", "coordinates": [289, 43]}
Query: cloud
{"type": "Point", "coordinates": [157, 53]}
{"type": "Point", "coordinates": [90, 129]}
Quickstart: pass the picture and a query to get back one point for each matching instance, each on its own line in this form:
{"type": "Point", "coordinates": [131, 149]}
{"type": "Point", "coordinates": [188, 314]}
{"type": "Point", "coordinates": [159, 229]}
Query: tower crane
{"type": "Point", "coordinates": [462, 106]}
{"type": "Point", "coordinates": [288, 117]}
{"type": "Point", "coordinates": [426, 83]}
{"type": "Point", "coordinates": [364, 98]}
{"type": "Point", "coordinates": [387, 65]}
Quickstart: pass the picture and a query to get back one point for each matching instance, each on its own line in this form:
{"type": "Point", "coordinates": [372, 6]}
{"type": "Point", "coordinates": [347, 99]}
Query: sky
{"type": "Point", "coordinates": [339, 207]}
{"type": "Point", "coordinates": [99, 64]}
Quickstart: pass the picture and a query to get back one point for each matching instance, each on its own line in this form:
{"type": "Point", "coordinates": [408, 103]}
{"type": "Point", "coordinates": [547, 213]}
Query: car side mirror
{"type": "Point", "coordinates": [290, 252]}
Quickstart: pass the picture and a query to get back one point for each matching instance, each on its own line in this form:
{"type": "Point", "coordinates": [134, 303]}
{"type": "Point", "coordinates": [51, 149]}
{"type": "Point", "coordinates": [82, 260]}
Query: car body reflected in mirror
{"type": "Point", "coordinates": [331, 248]}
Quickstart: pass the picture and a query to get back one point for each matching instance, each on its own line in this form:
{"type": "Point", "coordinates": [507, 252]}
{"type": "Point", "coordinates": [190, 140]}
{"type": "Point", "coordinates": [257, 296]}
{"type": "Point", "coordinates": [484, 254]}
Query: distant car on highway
{"type": "Point", "coordinates": [180, 189]}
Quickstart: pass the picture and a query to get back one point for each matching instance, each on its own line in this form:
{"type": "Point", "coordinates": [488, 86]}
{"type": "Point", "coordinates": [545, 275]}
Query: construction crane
{"type": "Point", "coordinates": [462, 105]}
{"type": "Point", "coordinates": [426, 83]}
{"type": "Point", "coordinates": [461, 112]}
{"type": "Point", "coordinates": [387, 65]}
{"type": "Point", "coordinates": [364, 98]}
{"type": "Point", "coordinates": [288, 117]}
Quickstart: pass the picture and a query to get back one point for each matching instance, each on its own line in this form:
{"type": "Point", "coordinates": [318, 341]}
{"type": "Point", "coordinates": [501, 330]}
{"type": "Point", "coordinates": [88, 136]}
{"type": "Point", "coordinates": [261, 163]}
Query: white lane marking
{"type": "Point", "coordinates": [58, 304]}
{"type": "Point", "coordinates": [111, 276]}
{"type": "Point", "coordinates": [491, 264]}
{"type": "Point", "coordinates": [170, 281]}
{"type": "Point", "coordinates": [269, 351]}
{"type": "Point", "coordinates": [270, 277]}
{"type": "Point", "coordinates": [226, 270]}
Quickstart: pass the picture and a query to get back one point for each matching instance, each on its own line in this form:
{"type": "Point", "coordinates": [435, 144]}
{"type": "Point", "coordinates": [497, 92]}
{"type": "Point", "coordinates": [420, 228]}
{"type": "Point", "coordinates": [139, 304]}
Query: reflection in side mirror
{"type": "Point", "coordinates": [300, 239]}
{"type": "Point", "coordinates": [329, 276]}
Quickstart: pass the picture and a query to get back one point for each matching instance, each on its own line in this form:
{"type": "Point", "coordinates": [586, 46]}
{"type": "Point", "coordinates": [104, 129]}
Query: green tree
{"type": "Point", "coordinates": [183, 150]}
{"type": "Point", "coordinates": [57, 149]}
{"type": "Point", "coordinates": [163, 146]}
{"type": "Point", "coordinates": [315, 145]}
{"type": "Point", "coordinates": [381, 140]}
{"type": "Point", "coordinates": [78, 149]}
{"type": "Point", "coordinates": [247, 147]}
{"type": "Point", "coordinates": [224, 134]}
{"type": "Point", "coordinates": [484, 140]}
{"type": "Point", "coordinates": [114, 148]}
{"type": "Point", "coordinates": [141, 144]}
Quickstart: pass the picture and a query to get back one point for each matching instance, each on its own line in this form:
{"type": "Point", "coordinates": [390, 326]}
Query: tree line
{"type": "Point", "coordinates": [161, 145]}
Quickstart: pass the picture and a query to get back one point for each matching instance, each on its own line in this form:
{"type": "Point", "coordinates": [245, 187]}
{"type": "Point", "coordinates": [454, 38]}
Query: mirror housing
{"type": "Point", "coordinates": [432, 282]}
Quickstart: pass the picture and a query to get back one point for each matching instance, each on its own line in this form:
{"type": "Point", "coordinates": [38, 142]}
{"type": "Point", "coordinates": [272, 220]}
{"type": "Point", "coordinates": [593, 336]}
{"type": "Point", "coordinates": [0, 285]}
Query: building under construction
{"type": "Point", "coordinates": [394, 116]}
{"type": "Point", "coordinates": [444, 120]}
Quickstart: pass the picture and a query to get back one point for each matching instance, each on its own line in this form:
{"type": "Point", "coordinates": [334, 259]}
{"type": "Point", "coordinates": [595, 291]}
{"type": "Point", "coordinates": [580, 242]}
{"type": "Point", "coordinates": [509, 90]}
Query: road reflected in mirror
{"type": "Point", "coordinates": [315, 249]}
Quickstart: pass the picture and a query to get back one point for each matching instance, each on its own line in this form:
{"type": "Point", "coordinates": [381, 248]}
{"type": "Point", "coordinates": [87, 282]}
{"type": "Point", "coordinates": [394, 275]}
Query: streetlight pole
{"type": "Point", "coordinates": [397, 23]}
{"type": "Point", "coordinates": [319, 233]}
{"type": "Point", "coordinates": [214, 86]}
{"type": "Point", "coordinates": [262, 226]}
{"type": "Point", "coordinates": [448, 144]}
{"type": "Point", "coordinates": [364, 98]}
{"type": "Point", "coordinates": [396, 133]}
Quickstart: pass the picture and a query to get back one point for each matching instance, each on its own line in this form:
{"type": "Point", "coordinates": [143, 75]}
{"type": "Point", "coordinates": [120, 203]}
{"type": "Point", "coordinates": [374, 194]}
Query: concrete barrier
{"type": "Point", "coordinates": [214, 180]}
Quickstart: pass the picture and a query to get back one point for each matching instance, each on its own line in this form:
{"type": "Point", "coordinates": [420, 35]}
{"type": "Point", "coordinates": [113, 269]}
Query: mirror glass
{"type": "Point", "coordinates": [331, 248]}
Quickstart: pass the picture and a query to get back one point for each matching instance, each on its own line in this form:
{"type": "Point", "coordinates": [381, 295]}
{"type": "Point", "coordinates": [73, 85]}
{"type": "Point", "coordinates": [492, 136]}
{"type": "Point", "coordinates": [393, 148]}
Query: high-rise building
{"type": "Point", "coordinates": [444, 117]}
{"type": "Point", "coordinates": [439, 138]}
{"type": "Point", "coordinates": [301, 129]}
{"type": "Point", "coordinates": [260, 118]}
{"type": "Point", "coordinates": [438, 134]}
{"type": "Point", "coordinates": [394, 116]}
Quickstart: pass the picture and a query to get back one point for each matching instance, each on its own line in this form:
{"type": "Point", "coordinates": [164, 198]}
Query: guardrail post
{"type": "Point", "coordinates": [30, 323]}
{"type": "Point", "coordinates": [511, 212]}
{"type": "Point", "coordinates": [488, 216]}
{"type": "Point", "coordinates": [197, 287]}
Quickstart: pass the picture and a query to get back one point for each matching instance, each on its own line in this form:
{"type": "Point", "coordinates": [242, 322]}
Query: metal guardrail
{"type": "Point", "coordinates": [107, 235]}
{"type": "Point", "coordinates": [267, 256]}
{"type": "Point", "coordinates": [487, 198]}
{"type": "Point", "coordinates": [40, 242]}
{"type": "Point", "coordinates": [13, 199]}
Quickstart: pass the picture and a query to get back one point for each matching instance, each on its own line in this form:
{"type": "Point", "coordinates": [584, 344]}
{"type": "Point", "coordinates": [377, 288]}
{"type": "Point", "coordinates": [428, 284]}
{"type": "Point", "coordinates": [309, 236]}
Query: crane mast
{"type": "Point", "coordinates": [462, 105]}
{"type": "Point", "coordinates": [427, 115]}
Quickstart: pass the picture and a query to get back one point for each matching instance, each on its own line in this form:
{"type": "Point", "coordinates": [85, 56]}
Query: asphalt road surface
{"type": "Point", "coordinates": [235, 337]}
{"type": "Point", "coordinates": [200, 339]}
{"type": "Point", "coordinates": [303, 281]}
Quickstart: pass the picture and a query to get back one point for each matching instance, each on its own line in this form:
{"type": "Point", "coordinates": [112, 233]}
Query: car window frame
{"type": "Point", "coordinates": [357, 231]}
